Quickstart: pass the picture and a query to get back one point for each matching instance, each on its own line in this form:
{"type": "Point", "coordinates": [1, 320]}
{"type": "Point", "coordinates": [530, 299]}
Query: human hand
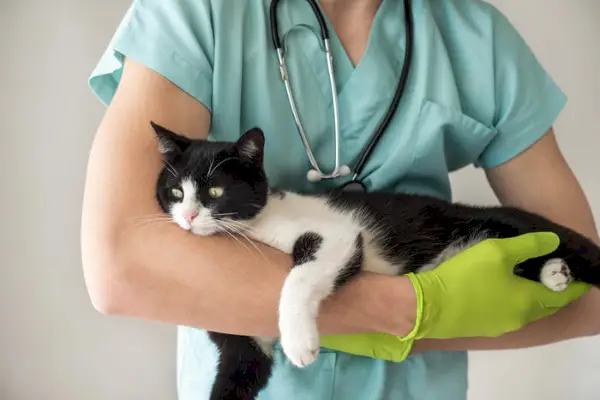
{"type": "Point", "coordinates": [476, 293]}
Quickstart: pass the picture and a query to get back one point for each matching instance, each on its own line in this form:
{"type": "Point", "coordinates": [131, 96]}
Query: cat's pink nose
{"type": "Point", "coordinates": [190, 215]}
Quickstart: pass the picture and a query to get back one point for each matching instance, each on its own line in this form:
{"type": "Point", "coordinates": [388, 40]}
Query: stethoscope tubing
{"type": "Point", "coordinates": [325, 38]}
{"type": "Point", "coordinates": [336, 117]}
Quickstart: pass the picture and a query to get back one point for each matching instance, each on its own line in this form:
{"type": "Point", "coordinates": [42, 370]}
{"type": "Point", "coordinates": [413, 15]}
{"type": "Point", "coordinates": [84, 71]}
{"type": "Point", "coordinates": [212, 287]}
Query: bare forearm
{"type": "Point", "coordinates": [220, 285]}
{"type": "Point", "coordinates": [210, 283]}
{"type": "Point", "coordinates": [541, 181]}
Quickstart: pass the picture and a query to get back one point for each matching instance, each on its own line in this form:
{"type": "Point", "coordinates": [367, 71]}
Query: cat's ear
{"type": "Point", "coordinates": [169, 142]}
{"type": "Point", "coordinates": [250, 146]}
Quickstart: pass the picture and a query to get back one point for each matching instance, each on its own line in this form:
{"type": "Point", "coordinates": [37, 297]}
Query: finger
{"type": "Point", "coordinates": [575, 290]}
{"type": "Point", "coordinates": [530, 245]}
{"type": "Point", "coordinates": [548, 298]}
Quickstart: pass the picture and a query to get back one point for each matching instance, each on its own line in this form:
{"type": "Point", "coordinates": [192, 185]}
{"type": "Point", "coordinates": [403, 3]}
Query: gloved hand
{"type": "Point", "coordinates": [476, 293]}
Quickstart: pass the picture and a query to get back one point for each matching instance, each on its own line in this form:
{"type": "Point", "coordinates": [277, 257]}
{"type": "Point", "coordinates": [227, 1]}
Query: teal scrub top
{"type": "Point", "coordinates": [476, 95]}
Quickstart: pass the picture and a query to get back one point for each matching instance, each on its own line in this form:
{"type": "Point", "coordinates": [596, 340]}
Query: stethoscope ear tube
{"type": "Point", "coordinates": [275, 25]}
{"type": "Point", "coordinates": [320, 18]}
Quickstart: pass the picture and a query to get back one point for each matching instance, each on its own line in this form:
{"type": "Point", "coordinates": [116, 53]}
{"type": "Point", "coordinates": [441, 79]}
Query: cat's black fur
{"type": "Point", "coordinates": [416, 229]}
{"type": "Point", "coordinates": [243, 368]}
{"type": "Point", "coordinates": [419, 228]}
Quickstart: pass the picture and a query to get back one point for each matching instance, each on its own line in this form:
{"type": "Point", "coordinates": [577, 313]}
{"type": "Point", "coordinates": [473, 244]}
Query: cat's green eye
{"type": "Point", "coordinates": [177, 193]}
{"type": "Point", "coordinates": [215, 192]}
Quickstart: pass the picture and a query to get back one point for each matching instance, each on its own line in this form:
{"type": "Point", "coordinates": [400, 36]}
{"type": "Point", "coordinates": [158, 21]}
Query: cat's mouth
{"type": "Point", "coordinates": [202, 226]}
{"type": "Point", "coordinates": [214, 224]}
{"type": "Point", "coordinates": [218, 225]}
{"type": "Point", "coordinates": [204, 230]}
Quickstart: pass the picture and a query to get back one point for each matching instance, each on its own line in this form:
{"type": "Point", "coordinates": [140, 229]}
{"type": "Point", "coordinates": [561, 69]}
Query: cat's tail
{"type": "Point", "coordinates": [585, 266]}
{"type": "Point", "coordinates": [581, 260]}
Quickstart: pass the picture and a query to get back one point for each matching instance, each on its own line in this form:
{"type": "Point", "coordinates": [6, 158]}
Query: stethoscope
{"type": "Point", "coordinates": [316, 174]}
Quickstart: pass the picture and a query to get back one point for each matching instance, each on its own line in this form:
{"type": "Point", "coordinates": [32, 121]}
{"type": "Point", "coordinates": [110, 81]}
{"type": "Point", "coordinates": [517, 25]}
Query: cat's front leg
{"type": "Point", "coordinates": [320, 265]}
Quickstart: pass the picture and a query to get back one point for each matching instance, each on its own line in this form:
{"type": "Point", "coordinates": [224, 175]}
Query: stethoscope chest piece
{"type": "Point", "coordinates": [354, 186]}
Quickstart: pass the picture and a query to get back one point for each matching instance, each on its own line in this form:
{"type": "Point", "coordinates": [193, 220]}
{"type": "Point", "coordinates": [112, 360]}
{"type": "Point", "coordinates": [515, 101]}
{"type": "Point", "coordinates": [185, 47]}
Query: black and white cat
{"type": "Point", "coordinates": [221, 187]}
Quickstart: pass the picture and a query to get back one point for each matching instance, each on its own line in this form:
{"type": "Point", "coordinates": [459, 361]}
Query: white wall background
{"type": "Point", "coordinates": [54, 346]}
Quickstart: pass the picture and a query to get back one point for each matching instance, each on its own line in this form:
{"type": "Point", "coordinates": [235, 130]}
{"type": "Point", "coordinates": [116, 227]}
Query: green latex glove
{"type": "Point", "coordinates": [473, 294]}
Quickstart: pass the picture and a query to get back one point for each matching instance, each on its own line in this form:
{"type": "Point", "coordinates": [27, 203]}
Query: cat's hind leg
{"type": "Point", "coordinates": [570, 262]}
{"type": "Point", "coordinates": [553, 272]}
{"type": "Point", "coordinates": [556, 274]}
{"type": "Point", "coordinates": [320, 266]}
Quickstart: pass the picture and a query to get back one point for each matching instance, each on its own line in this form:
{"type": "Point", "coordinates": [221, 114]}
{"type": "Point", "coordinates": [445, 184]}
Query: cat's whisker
{"type": "Point", "coordinates": [236, 235]}
{"type": "Point", "coordinates": [238, 231]}
{"type": "Point", "coordinates": [146, 218]}
{"type": "Point", "coordinates": [231, 235]}
{"type": "Point", "coordinates": [172, 172]}
{"type": "Point", "coordinates": [228, 224]}
{"type": "Point", "coordinates": [239, 228]}
{"type": "Point", "coordinates": [150, 216]}
{"type": "Point", "coordinates": [253, 245]}
{"type": "Point", "coordinates": [212, 171]}
{"type": "Point", "coordinates": [240, 224]}
{"type": "Point", "coordinates": [212, 161]}
{"type": "Point", "coordinates": [233, 221]}
{"type": "Point", "coordinates": [154, 221]}
{"type": "Point", "coordinates": [170, 168]}
{"type": "Point", "coordinates": [224, 214]}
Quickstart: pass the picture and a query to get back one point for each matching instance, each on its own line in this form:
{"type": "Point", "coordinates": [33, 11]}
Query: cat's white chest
{"type": "Point", "coordinates": [276, 233]}
{"type": "Point", "coordinates": [285, 219]}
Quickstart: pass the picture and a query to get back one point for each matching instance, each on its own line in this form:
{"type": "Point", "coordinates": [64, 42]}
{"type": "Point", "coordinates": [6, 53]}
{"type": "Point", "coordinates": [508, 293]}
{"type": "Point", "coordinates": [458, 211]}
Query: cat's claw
{"type": "Point", "coordinates": [556, 274]}
{"type": "Point", "coordinates": [300, 342]}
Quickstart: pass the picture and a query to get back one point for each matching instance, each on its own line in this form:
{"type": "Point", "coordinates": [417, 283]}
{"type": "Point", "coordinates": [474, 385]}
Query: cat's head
{"type": "Point", "coordinates": [208, 187]}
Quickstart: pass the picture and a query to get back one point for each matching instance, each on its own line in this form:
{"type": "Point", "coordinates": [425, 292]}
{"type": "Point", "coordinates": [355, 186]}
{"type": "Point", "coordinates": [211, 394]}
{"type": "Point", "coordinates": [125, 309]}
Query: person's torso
{"type": "Point", "coordinates": [442, 124]}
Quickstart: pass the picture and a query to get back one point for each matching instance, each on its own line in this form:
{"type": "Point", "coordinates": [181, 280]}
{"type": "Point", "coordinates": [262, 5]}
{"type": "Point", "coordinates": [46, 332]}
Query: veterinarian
{"type": "Point", "coordinates": [474, 94]}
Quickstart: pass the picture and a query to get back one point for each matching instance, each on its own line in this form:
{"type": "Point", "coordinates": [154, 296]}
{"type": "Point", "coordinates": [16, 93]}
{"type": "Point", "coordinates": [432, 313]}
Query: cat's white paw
{"type": "Point", "coordinates": [556, 275]}
{"type": "Point", "coordinates": [300, 340]}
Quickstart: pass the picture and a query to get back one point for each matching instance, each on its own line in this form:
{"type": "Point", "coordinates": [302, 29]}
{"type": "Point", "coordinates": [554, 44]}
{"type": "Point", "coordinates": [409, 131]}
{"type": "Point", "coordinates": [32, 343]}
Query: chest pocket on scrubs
{"type": "Point", "coordinates": [445, 133]}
